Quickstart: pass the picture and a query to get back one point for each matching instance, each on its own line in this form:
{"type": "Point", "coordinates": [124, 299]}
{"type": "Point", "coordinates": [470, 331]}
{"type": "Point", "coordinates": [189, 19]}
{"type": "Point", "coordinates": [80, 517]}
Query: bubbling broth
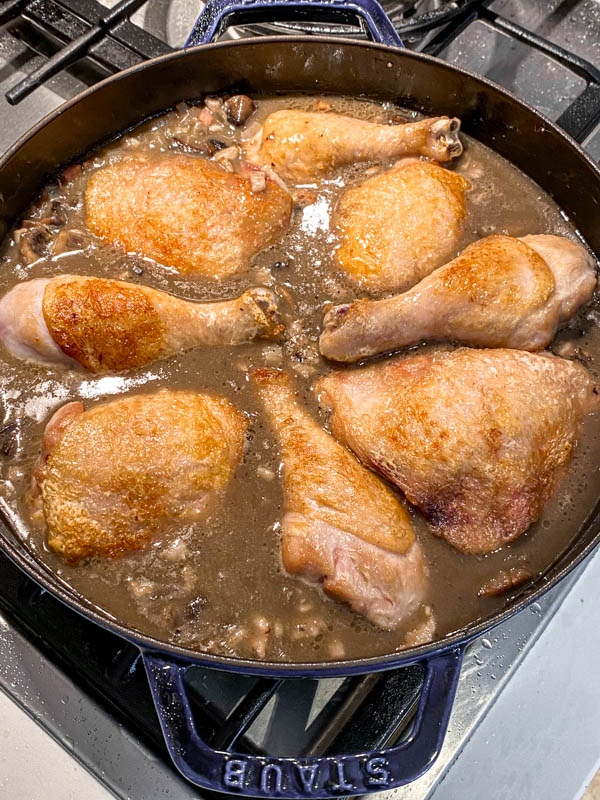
{"type": "Point", "coordinates": [218, 585]}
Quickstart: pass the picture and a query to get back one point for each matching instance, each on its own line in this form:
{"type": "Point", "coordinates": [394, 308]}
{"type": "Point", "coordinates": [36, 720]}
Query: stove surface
{"type": "Point", "coordinates": [90, 694]}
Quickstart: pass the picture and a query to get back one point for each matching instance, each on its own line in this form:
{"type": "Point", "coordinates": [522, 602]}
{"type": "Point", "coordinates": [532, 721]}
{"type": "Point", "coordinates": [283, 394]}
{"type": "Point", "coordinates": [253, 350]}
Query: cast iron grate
{"type": "Point", "coordinates": [582, 116]}
{"type": "Point", "coordinates": [66, 31]}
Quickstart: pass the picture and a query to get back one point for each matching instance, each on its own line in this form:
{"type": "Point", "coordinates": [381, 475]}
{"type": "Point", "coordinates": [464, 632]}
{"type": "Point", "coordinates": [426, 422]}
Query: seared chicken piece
{"type": "Point", "coordinates": [303, 146]}
{"type": "Point", "coordinates": [475, 438]}
{"type": "Point", "coordinates": [398, 226]}
{"type": "Point", "coordinates": [117, 475]}
{"type": "Point", "coordinates": [110, 326]}
{"type": "Point", "coordinates": [342, 527]}
{"type": "Point", "coordinates": [185, 212]}
{"type": "Point", "coordinates": [500, 292]}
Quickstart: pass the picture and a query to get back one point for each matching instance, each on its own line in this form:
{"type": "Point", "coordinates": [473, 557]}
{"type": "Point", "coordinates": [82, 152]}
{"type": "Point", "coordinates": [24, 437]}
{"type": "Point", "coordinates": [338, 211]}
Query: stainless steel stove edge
{"type": "Point", "coordinates": [85, 730]}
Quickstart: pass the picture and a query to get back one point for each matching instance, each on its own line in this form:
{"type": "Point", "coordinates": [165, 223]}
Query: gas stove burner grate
{"type": "Point", "coordinates": [417, 18]}
{"type": "Point", "coordinates": [69, 30]}
{"type": "Point", "coordinates": [582, 116]}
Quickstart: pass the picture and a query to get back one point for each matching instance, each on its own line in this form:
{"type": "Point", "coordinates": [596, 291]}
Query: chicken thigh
{"type": "Point", "coordinates": [117, 475]}
{"type": "Point", "coordinates": [475, 438]}
{"type": "Point", "coordinates": [500, 292]}
{"type": "Point", "coordinates": [342, 527]}
{"type": "Point", "coordinates": [398, 226]}
{"type": "Point", "coordinates": [186, 212]}
{"type": "Point", "coordinates": [110, 326]}
{"type": "Point", "coordinates": [303, 146]}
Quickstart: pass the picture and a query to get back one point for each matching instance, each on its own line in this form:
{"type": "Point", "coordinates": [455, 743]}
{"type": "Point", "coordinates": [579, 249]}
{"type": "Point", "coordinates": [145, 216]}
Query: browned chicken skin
{"type": "Point", "coordinates": [342, 527]}
{"type": "Point", "coordinates": [475, 438]}
{"type": "Point", "coordinates": [399, 225]}
{"type": "Point", "coordinates": [119, 474]}
{"type": "Point", "coordinates": [500, 292]}
{"type": "Point", "coordinates": [186, 212]}
{"type": "Point", "coordinates": [111, 326]}
{"type": "Point", "coordinates": [303, 146]}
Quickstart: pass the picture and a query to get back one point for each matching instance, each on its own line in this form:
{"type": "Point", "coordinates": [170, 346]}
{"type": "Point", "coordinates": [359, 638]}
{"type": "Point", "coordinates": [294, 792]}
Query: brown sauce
{"type": "Point", "coordinates": [218, 585]}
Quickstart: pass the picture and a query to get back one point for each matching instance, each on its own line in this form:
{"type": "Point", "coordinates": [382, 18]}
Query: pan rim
{"type": "Point", "coordinates": [35, 568]}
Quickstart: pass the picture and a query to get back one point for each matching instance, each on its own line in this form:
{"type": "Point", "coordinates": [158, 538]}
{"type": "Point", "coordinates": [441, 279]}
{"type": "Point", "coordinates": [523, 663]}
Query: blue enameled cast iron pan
{"type": "Point", "coordinates": [383, 71]}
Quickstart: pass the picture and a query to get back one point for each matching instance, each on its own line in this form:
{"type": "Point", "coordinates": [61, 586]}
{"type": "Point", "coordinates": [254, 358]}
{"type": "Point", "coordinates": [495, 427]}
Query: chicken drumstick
{"type": "Point", "coordinates": [500, 292]}
{"type": "Point", "coordinates": [111, 326]}
{"type": "Point", "coordinates": [303, 146]}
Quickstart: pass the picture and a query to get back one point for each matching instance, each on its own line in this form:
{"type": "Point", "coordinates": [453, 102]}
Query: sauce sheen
{"type": "Point", "coordinates": [219, 585]}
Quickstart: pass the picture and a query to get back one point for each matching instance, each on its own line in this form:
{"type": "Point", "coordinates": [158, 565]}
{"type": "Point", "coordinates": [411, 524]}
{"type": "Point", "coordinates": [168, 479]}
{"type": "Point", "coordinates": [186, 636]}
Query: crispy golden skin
{"type": "Point", "coordinates": [111, 326]}
{"type": "Point", "coordinates": [475, 438]}
{"type": "Point", "coordinates": [398, 226]}
{"type": "Point", "coordinates": [185, 212]}
{"type": "Point", "coordinates": [342, 527]}
{"type": "Point", "coordinates": [500, 292]}
{"type": "Point", "coordinates": [104, 325]}
{"type": "Point", "coordinates": [323, 478]}
{"type": "Point", "coordinates": [493, 268]}
{"type": "Point", "coordinates": [302, 146]}
{"type": "Point", "coordinates": [120, 473]}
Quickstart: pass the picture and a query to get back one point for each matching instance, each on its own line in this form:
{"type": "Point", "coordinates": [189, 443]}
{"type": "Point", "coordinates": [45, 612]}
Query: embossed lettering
{"type": "Point", "coordinates": [234, 773]}
{"type": "Point", "coordinates": [342, 784]}
{"type": "Point", "coordinates": [308, 776]}
{"type": "Point", "coordinates": [268, 784]}
{"type": "Point", "coordinates": [377, 772]}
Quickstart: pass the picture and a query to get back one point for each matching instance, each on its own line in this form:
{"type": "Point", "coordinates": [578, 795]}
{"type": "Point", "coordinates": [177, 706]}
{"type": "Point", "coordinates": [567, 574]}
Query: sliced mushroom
{"type": "Point", "coordinates": [57, 215]}
{"type": "Point", "coordinates": [9, 439]}
{"type": "Point", "coordinates": [191, 129]}
{"type": "Point", "coordinates": [191, 143]}
{"type": "Point", "coordinates": [70, 239]}
{"type": "Point", "coordinates": [214, 145]}
{"type": "Point", "coordinates": [33, 242]}
{"type": "Point", "coordinates": [504, 581]}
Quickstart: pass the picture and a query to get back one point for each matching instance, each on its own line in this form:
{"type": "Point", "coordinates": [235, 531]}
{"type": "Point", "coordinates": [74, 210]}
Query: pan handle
{"type": "Point", "coordinates": [218, 15]}
{"type": "Point", "coordinates": [307, 777]}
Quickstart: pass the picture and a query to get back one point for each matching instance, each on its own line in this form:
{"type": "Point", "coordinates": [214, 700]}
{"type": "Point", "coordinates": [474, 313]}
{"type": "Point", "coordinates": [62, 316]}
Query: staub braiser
{"type": "Point", "coordinates": [383, 71]}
